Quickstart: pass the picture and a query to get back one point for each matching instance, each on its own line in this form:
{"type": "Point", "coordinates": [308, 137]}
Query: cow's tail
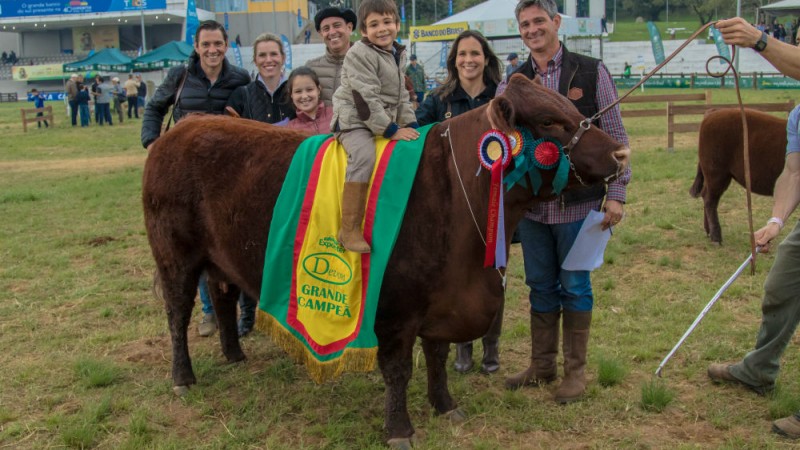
{"type": "Point", "coordinates": [158, 286]}
{"type": "Point", "coordinates": [697, 186]}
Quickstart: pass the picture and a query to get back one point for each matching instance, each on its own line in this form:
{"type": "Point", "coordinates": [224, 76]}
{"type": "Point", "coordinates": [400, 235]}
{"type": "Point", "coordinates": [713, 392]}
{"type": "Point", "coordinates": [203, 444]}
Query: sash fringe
{"type": "Point", "coordinates": [352, 359]}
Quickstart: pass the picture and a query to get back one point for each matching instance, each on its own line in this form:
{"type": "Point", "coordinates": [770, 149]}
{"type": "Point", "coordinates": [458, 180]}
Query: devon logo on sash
{"type": "Point", "coordinates": [318, 301]}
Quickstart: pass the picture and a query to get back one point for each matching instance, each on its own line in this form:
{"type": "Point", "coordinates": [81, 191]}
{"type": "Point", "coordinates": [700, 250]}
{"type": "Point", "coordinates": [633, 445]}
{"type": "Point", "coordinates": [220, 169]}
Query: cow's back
{"type": "Point", "coordinates": [721, 151]}
{"type": "Point", "coordinates": [210, 186]}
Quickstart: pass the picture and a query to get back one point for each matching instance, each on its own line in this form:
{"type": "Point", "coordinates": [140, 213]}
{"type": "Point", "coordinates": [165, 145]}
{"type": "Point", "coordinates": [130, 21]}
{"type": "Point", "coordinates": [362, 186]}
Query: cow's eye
{"type": "Point", "coordinates": [547, 122]}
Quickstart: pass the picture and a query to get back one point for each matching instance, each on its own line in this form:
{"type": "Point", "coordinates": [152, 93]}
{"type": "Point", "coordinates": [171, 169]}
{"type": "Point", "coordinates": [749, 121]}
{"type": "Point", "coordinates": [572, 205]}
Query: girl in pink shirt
{"type": "Point", "coordinates": [312, 114]}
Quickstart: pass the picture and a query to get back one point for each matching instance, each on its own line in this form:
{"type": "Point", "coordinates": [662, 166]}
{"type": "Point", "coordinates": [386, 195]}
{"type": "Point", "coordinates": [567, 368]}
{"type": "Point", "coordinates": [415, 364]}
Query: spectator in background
{"type": "Point", "coordinates": [604, 24]}
{"type": "Point", "coordinates": [335, 25]}
{"type": "Point", "coordinates": [416, 72]}
{"type": "Point", "coordinates": [513, 63]}
{"type": "Point", "coordinates": [82, 100]}
{"type": "Point", "coordinates": [132, 92]}
{"type": "Point", "coordinates": [72, 94]}
{"type": "Point", "coordinates": [626, 72]}
{"type": "Point", "coordinates": [307, 37]}
{"type": "Point", "coordinates": [141, 94]}
{"type": "Point", "coordinates": [102, 102]}
{"type": "Point", "coordinates": [12, 57]}
{"type": "Point", "coordinates": [38, 102]}
{"type": "Point", "coordinates": [117, 98]}
{"type": "Point", "coordinates": [94, 97]}
{"type": "Point", "coordinates": [5, 57]}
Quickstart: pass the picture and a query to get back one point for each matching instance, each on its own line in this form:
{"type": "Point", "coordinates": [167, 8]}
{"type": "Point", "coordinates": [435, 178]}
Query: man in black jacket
{"type": "Point", "coordinates": [209, 81]}
{"type": "Point", "coordinates": [203, 86]}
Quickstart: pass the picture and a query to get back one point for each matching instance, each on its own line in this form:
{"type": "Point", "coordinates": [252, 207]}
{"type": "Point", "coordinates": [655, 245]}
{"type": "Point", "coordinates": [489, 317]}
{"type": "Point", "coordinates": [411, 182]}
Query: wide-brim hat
{"type": "Point", "coordinates": [347, 14]}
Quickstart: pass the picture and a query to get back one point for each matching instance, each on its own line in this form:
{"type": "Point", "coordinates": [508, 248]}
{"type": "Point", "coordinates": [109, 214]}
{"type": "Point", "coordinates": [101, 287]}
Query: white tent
{"type": "Point", "coordinates": [496, 18]}
{"type": "Point", "coordinates": [783, 7]}
{"type": "Point", "coordinates": [489, 10]}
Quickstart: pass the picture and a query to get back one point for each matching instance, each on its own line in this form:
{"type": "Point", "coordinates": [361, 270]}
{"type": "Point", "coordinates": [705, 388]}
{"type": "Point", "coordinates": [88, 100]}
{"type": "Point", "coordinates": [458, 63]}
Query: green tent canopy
{"type": "Point", "coordinates": [106, 60]}
{"type": "Point", "coordinates": [171, 54]}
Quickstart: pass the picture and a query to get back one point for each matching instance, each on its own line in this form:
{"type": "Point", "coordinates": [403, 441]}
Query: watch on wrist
{"type": "Point", "coordinates": [762, 42]}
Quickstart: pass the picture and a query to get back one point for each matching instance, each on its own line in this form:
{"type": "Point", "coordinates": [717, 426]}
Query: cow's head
{"type": "Point", "coordinates": [547, 114]}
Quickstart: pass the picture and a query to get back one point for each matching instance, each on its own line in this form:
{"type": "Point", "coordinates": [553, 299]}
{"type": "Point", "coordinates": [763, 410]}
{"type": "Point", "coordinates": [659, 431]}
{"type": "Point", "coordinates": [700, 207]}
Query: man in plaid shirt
{"type": "Point", "coordinates": [550, 228]}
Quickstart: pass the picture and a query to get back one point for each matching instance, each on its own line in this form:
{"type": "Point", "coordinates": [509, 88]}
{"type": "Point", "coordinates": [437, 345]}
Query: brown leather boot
{"type": "Point", "coordinates": [463, 363]}
{"type": "Point", "coordinates": [544, 350]}
{"type": "Point", "coordinates": [491, 344]}
{"type": "Point", "coordinates": [354, 199]}
{"type": "Point", "coordinates": [576, 343]}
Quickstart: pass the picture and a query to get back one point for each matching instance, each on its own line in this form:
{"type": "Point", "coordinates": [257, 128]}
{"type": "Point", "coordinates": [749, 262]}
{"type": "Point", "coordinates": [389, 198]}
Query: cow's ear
{"type": "Point", "coordinates": [502, 114]}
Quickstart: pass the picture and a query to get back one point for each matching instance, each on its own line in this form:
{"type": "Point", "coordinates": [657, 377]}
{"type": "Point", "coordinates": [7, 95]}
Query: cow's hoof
{"type": "Point", "coordinates": [180, 391]}
{"type": "Point", "coordinates": [402, 443]}
{"type": "Point", "coordinates": [455, 415]}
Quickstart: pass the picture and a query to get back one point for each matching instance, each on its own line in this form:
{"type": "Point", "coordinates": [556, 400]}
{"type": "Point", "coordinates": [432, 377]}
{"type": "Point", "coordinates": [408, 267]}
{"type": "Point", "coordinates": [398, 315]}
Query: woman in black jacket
{"type": "Point", "coordinates": [264, 99]}
{"type": "Point", "coordinates": [473, 73]}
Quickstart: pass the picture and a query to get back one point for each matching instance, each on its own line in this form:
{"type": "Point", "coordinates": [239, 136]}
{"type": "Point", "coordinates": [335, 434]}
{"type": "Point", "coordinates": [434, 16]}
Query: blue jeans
{"type": "Point", "coordinates": [544, 248]}
{"type": "Point", "coordinates": [83, 109]}
{"type": "Point", "coordinates": [73, 111]}
{"type": "Point", "coordinates": [247, 304]}
{"type": "Point", "coordinates": [103, 113]}
{"type": "Point", "coordinates": [205, 297]}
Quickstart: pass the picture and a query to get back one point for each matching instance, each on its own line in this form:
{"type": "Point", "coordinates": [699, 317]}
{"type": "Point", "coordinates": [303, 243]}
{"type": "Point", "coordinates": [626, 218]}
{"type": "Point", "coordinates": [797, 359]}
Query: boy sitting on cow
{"type": "Point", "coordinates": [370, 102]}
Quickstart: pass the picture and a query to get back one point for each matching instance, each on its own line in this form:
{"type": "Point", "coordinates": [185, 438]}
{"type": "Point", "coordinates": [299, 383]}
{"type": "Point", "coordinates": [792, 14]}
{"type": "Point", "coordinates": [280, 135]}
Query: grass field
{"type": "Point", "coordinates": [86, 360]}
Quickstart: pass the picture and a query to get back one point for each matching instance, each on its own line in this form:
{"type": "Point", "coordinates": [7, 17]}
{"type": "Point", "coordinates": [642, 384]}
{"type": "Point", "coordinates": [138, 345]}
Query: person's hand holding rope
{"type": "Point", "coordinates": [737, 31]}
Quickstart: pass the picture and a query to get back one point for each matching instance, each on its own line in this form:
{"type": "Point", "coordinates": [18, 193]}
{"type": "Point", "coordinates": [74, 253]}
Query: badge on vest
{"type": "Point", "coordinates": [575, 93]}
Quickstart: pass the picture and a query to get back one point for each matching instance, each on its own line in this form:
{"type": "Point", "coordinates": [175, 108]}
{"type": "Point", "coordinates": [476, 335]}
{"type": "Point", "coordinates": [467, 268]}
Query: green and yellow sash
{"type": "Point", "coordinates": [318, 300]}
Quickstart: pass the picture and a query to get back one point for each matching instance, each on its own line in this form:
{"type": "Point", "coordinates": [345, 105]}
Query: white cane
{"type": "Point", "coordinates": [706, 309]}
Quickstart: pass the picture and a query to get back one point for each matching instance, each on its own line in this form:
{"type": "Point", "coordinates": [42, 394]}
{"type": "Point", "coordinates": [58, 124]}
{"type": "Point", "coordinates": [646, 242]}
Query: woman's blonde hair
{"type": "Point", "coordinates": [268, 37]}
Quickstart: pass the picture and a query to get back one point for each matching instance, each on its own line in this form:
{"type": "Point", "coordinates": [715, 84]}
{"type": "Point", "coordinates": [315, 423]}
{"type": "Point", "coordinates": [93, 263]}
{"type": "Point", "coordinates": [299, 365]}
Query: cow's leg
{"type": "Point", "coordinates": [179, 288]}
{"type": "Point", "coordinates": [225, 297]}
{"type": "Point", "coordinates": [711, 197]}
{"type": "Point", "coordinates": [436, 358]}
{"type": "Point", "coordinates": [395, 361]}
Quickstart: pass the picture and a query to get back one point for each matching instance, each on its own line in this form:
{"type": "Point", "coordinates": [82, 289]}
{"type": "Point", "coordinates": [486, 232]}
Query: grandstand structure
{"type": "Point", "coordinates": [53, 32]}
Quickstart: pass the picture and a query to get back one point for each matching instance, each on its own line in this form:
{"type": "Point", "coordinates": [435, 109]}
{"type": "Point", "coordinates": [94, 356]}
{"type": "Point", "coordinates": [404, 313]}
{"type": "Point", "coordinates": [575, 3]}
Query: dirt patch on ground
{"type": "Point", "coordinates": [74, 165]}
{"type": "Point", "coordinates": [149, 351]}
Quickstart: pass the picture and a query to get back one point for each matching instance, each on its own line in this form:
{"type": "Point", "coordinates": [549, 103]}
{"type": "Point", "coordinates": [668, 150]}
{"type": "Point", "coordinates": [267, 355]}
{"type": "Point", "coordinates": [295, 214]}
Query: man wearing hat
{"type": "Point", "coordinates": [72, 97]}
{"type": "Point", "coordinates": [513, 63]}
{"type": "Point", "coordinates": [416, 73]}
{"type": "Point", "coordinates": [335, 25]}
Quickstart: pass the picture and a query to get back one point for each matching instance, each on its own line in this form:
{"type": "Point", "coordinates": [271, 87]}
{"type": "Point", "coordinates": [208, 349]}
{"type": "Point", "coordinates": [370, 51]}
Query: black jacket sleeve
{"type": "Point", "coordinates": [237, 101]}
{"type": "Point", "coordinates": [428, 111]}
{"type": "Point", "coordinates": [159, 104]}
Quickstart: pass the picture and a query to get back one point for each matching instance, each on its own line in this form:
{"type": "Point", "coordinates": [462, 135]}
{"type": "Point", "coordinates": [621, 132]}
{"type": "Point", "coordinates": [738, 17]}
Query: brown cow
{"type": "Point", "coordinates": [210, 186]}
{"type": "Point", "coordinates": [721, 158]}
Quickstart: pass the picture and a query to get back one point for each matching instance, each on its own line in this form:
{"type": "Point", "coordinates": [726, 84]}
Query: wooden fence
{"type": "Point", "coordinates": [30, 115]}
{"type": "Point", "coordinates": [674, 108]}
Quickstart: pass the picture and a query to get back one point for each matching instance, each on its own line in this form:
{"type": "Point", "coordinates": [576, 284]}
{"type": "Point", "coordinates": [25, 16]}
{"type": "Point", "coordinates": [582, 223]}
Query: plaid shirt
{"type": "Point", "coordinates": [551, 212]}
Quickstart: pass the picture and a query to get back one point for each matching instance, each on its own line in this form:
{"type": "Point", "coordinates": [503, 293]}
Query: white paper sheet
{"type": "Point", "coordinates": [587, 251]}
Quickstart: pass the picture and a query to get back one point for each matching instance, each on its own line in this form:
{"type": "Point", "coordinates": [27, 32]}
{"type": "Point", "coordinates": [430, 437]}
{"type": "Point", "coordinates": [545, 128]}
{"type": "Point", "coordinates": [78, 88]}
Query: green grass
{"type": "Point", "coordinates": [656, 396]}
{"type": "Point", "coordinates": [86, 360]}
{"type": "Point", "coordinates": [610, 371]}
{"type": "Point", "coordinates": [628, 30]}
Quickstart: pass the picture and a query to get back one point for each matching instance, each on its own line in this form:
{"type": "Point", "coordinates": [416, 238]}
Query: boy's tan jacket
{"type": "Point", "coordinates": [372, 93]}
